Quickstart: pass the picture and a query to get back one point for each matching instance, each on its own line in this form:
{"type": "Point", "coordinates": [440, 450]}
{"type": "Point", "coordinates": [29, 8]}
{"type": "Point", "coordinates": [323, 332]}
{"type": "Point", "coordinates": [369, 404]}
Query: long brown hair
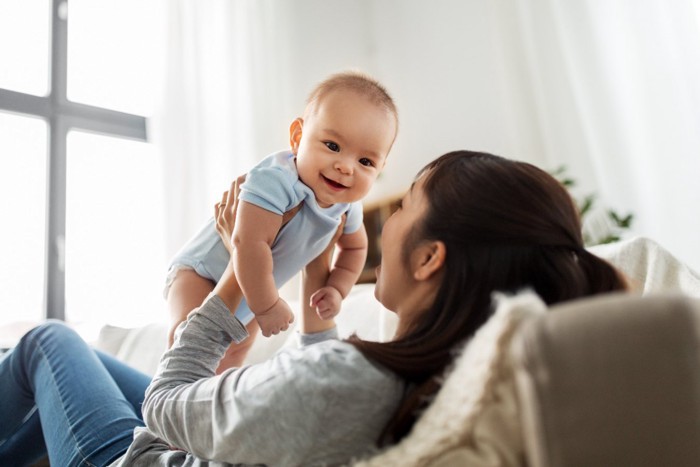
{"type": "Point", "coordinates": [506, 225]}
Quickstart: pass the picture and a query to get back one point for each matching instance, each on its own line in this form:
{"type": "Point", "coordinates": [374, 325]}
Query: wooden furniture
{"type": "Point", "coordinates": [375, 214]}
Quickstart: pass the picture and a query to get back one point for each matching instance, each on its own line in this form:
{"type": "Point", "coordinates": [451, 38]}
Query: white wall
{"type": "Point", "coordinates": [442, 61]}
{"type": "Point", "coordinates": [608, 89]}
{"type": "Point", "coordinates": [596, 87]}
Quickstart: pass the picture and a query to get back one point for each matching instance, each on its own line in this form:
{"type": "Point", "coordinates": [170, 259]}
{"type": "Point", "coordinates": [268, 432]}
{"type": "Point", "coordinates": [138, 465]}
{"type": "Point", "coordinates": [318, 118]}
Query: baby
{"type": "Point", "coordinates": [337, 150]}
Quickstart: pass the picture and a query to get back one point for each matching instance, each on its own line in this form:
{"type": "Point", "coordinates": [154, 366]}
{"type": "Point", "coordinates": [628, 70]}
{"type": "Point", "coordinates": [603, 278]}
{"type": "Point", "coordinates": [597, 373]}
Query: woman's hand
{"type": "Point", "coordinates": [225, 213]}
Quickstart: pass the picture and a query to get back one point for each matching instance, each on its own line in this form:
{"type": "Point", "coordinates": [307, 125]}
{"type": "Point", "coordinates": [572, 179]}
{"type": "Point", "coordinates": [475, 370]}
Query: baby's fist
{"type": "Point", "coordinates": [276, 319]}
{"type": "Point", "coordinates": [327, 302]}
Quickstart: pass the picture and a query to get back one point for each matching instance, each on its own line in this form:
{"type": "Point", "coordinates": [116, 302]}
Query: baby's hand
{"type": "Point", "coordinates": [275, 319]}
{"type": "Point", "coordinates": [327, 302]}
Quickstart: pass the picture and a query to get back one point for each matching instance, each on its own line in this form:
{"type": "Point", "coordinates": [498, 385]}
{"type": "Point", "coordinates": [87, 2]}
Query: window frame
{"type": "Point", "coordinates": [62, 116]}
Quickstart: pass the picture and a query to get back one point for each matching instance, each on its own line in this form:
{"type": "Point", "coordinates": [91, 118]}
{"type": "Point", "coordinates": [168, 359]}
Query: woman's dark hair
{"type": "Point", "coordinates": [506, 225]}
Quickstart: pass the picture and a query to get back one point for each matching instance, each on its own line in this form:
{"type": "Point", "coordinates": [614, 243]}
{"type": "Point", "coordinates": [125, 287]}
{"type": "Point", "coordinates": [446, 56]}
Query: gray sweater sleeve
{"type": "Point", "coordinates": [286, 411]}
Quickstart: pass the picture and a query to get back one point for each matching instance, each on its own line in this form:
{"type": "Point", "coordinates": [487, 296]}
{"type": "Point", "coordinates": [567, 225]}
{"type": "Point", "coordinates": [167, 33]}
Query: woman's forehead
{"type": "Point", "coordinates": [418, 184]}
{"type": "Point", "coordinates": [416, 193]}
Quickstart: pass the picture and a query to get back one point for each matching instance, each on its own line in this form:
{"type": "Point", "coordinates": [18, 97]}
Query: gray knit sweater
{"type": "Point", "coordinates": [321, 404]}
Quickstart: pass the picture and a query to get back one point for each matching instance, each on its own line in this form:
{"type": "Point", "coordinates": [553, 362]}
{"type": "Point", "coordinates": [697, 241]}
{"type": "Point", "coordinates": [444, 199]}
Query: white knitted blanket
{"type": "Point", "coordinates": [650, 267]}
{"type": "Point", "coordinates": [468, 388]}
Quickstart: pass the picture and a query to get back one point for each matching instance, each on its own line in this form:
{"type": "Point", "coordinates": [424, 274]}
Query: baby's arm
{"type": "Point", "coordinates": [352, 254]}
{"type": "Point", "coordinates": [314, 277]}
{"type": "Point", "coordinates": [254, 232]}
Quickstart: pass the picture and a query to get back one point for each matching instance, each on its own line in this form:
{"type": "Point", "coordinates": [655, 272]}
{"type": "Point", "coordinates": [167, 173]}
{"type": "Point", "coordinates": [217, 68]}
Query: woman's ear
{"type": "Point", "coordinates": [428, 260]}
{"type": "Point", "coordinates": [295, 134]}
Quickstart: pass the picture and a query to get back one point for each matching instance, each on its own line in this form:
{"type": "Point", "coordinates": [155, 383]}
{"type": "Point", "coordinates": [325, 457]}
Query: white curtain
{"type": "Point", "coordinates": [608, 88]}
{"type": "Point", "coordinates": [616, 98]}
{"type": "Point", "coordinates": [221, 81]}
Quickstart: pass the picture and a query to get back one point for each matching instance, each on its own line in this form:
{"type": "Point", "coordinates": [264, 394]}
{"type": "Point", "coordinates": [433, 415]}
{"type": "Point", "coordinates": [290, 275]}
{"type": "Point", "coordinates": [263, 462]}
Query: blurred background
{"type": "Point", "coordinates": [121, 122]}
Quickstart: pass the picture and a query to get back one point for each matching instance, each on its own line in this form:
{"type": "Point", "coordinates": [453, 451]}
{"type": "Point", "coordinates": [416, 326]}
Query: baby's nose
{"type": "Point", "coordinates": [343, 167]}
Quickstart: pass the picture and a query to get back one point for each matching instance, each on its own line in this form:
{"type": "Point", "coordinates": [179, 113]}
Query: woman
{"type": "Point", "coordinates": [471, 223]}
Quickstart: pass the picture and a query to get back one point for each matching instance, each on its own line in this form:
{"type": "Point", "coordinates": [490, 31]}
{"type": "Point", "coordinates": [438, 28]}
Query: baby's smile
{"type": "Point", "coordinates": [333, 184]}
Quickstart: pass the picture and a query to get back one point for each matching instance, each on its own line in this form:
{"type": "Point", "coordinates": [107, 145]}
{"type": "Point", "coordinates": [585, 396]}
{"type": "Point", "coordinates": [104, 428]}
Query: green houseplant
{"type": "Point", "coordinates": [600, 225]}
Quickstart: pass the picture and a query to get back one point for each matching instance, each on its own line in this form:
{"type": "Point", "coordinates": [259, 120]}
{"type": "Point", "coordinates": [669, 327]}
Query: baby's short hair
{"type": "Point", "coordinates": [358, 82]}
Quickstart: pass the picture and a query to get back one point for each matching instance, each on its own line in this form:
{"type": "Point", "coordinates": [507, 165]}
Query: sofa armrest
{"type": "Point", "coordinates": [613, 380]}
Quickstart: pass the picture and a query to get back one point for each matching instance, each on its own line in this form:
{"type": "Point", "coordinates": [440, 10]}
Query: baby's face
{"type": "Point", "coordinates": [343, 146]}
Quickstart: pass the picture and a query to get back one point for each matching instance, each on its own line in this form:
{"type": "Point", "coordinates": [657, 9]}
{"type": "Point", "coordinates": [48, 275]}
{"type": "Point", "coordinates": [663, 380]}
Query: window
{"type": "Point", "coordinates": [113, 230]}
{"type": "Point", "coordinates": [23, 206]}
{"type": "Point", "coordinates": [78, 179]}
{"type": "Point", "coordinates": [26, 68]}
{"type": "Point", "coordinates": [112, 54]}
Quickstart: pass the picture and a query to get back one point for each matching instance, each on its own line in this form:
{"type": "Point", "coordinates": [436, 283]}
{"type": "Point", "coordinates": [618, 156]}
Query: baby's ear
{"type": "Point", "coordinates": [295, 130]}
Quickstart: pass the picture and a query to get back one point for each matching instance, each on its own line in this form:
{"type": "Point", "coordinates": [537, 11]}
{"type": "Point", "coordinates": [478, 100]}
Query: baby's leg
{"type": "Point", "coordinates": [188, 291]}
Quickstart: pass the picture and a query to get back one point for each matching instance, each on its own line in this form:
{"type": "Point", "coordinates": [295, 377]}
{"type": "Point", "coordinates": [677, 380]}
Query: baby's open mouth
{"type": "Point", "coordinates": [333, 184]}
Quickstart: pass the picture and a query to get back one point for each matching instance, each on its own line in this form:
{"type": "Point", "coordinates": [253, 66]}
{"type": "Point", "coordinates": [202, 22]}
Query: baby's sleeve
{"type": "Point", "coordinates": [353, 222]}
{"type": "Point", "coordinates": [269, 188]}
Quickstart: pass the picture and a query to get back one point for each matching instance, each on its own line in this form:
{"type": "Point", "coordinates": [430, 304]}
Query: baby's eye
{"type": "Point", "coordinates": [332, 146]}
{"type": "Point", "coordinates": [398, 204]}
{"type": "Point", "coordinates": [366, 162]}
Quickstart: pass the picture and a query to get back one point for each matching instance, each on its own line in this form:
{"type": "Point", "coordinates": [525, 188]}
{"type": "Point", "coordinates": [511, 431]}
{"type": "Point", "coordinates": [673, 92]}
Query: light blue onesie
{"type": "Point", "coordinates": [273, 185]}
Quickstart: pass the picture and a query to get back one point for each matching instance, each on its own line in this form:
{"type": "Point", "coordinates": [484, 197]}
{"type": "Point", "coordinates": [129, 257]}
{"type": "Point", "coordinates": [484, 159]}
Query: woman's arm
{"type": "Point", "coordinates": [283, 411]}
{"type": "Point", "coordinates": [185, 399]}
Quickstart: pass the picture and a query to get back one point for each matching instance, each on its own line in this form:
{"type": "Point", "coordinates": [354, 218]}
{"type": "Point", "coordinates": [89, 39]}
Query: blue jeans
{"type": "Point", "coordinates": [60, 396]}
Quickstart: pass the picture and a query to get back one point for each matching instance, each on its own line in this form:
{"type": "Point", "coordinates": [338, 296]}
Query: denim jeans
{"type": "Point", "coordinates": [60, 396]}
